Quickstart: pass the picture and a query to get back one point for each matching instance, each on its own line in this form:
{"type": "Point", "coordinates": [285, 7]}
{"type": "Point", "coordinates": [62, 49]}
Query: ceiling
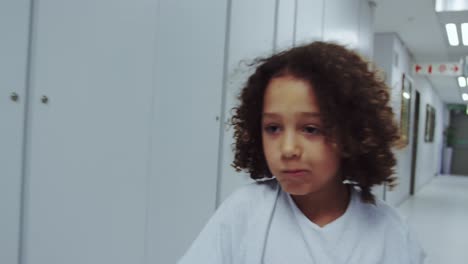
{"type": "Point", "coordinates": [422, 31]}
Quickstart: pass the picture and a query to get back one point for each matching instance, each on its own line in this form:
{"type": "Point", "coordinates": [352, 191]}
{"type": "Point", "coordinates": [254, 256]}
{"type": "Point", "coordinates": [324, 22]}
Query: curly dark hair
{"type": "Point", "coordinates": [354, 107]}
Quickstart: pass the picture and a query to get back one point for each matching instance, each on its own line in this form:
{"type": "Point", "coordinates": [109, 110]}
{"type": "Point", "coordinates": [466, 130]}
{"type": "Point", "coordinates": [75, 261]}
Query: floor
{"type": "Point", "coordinates": [438, 217]}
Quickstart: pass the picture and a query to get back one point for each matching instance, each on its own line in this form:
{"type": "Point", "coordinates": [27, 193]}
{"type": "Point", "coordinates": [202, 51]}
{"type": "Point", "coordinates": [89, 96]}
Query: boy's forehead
{"type": "Point", "coordinates": [289, 92]}
{"type": "Point", "coordinates": [290, 102]}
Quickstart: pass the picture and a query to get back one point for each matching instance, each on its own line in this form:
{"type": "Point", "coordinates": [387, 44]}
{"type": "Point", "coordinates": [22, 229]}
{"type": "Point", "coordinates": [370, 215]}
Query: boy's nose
{"type": "Point", "coordinates": [290, 147]}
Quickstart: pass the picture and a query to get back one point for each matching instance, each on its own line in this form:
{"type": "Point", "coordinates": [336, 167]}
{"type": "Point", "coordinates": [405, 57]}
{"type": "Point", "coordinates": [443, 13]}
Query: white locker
{"type": "Point", "coordinates": [341, 22]}
{"type": "Point", "coordinates": [366, 28]}
{"type": "Point", "coordinates": [187, 105]}
{"type": "Point", "coordinates": [285, 22]}
{"type": "Point", "coordinates": [121, 140]}
{"type": "Point", "coordinates": [87, 158]}
{"type": "Point", "coordinates": [251, 35]}
{"type": "Point", "coordinates": [119, 130]}
{"type": "Point", "coordinates": [14, 32]}
{"type": "Point", "coordinates": [309, 21]}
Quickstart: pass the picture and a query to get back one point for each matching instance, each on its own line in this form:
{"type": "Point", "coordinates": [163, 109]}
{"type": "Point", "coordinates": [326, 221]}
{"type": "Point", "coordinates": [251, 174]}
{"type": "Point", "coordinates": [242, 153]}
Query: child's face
{"type": "Point", "coordinates": [295, 148]}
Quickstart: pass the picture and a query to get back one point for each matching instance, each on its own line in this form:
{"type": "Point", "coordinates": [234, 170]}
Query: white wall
{"type": "Point", "coordinates": [366, 29]}
{"type": "Point", "coordinates": [401, 64]}
{"type": "Point", "coordinates": [429, 153]}
{"type": "Point", "coordinates": [383, 57]}
{"type": "Point", "coordinates": [393, 57]}
{"type": "Point", "coordinates": [383, 54]}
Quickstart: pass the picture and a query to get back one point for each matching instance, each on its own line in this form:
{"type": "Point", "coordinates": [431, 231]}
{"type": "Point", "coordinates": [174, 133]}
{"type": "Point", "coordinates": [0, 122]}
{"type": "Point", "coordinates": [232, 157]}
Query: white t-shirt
{"type": "Point", "coordinates": [260, 223]}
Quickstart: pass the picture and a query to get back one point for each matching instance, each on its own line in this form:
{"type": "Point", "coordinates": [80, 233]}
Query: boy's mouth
{"type": "Point", "coordinates": [295, 172]}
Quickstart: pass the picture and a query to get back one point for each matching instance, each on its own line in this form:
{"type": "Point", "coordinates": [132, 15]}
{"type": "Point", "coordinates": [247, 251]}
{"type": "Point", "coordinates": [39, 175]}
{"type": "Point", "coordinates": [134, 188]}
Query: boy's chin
{"type": "Point", "coordinates": [298, 190]}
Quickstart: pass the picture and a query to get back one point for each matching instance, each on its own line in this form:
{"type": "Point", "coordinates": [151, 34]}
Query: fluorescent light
{"type": "Point", "coordinates": [452, 34]}
{"type": "Point", "coordinates": [461, 82]}
{"type": "Point", "coordinates": [464, 31]}
{"type": "Point", "coordinates": [451, 5]}
{"type": "Point", "coordinates": [439, 6]}
{"type": "Point", "coordinates": [465, 97]}
{"type": "Point", "coordinates": [406, 95]}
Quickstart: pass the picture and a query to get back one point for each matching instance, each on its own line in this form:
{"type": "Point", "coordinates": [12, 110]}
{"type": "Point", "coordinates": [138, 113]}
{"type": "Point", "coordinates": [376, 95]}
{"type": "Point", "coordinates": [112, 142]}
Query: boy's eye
{"type": "Point", "coordinates": [311, 130]}
{"type": "Point", "coordinates": [272, 129]}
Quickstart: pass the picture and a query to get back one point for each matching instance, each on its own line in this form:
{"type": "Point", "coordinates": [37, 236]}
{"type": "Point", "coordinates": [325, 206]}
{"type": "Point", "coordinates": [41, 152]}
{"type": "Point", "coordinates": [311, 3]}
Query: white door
{"type": "Point", "coordinates": [14, 29]}
{"type": "Point", "coordinates": [87, 162]}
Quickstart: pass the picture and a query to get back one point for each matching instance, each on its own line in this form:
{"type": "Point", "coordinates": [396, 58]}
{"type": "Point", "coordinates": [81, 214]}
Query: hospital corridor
{"type": "Point", "coordinates": [438, 215]}
{"type": "Point", "coordinates": [134, 131]}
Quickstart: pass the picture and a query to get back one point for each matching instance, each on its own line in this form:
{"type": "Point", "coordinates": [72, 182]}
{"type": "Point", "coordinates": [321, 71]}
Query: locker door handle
{"type": "Point", "coordinates": [14, 97]}
{"type": "Point", "coordinates": [44, 99]}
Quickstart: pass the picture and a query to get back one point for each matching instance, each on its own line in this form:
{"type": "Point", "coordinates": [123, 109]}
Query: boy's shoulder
{"type": "Point", "coordinates": [249, 201]}
{"type": "Point", "coordinates": [381, 229]}
{"type": "Point", "coordinates": [252, 194]}
{"type": "Point", "coordinates": [383, 214]}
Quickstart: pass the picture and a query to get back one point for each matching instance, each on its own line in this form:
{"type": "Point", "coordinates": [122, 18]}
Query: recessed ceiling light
{"type": "Point", "coordinates": [465, 97]}
{"type": "Point", "coordinates": [451, 5]}
{"type": "Point", "coordinates": [464, 31]}
{"type": "Point", "coordinates": [461, 82]}
{"type": "Point", "coordinates": [406, 95]}
{"type": "Point", "coordinates": [439, 6]}
{"type": "Point", "coordinates": [452, 34]}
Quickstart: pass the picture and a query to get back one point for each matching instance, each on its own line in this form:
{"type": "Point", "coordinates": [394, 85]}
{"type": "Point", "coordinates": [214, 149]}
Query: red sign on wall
{"type": "Point", "coordinates": [447, 69]}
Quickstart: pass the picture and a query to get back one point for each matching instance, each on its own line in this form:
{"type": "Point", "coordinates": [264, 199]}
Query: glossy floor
{"type": "Point", "coordinates": [438, 216]}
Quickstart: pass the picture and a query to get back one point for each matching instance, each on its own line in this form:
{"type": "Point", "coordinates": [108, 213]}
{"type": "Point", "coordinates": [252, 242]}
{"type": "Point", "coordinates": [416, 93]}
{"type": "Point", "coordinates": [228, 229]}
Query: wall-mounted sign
{"type": "Point", "coordinates": [447, 69]}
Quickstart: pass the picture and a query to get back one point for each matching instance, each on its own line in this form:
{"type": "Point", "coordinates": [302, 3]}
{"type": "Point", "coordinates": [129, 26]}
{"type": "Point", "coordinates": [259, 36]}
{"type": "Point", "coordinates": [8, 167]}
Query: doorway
{"type": "Point", "coordinates": [459, 124]}
{"type": "Point", "coordinates": [415, 144]}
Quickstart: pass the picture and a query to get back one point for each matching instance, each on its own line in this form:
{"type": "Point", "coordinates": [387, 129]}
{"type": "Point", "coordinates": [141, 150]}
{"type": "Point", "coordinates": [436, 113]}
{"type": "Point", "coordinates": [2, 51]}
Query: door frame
{"type": "Point", "coordinates": [414, 154]}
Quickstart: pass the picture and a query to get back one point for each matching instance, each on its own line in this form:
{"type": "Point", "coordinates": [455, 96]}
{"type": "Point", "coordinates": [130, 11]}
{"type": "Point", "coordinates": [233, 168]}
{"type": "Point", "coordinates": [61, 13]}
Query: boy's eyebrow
{"type": "Point", "coordinates": [307, 114]}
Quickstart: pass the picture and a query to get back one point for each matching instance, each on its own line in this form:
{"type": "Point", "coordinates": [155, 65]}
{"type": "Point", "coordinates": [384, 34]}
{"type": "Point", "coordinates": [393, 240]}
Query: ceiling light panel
{"type": "Point", "coordinates": [461, 82]}
{"type": "Point", "coordinates": [465, 97]}
{"type": "Point", "coordinates": [452, 34]}
{"type": "Point", "coordinates": [464, 32]}
{"type": "Point", "coordinates": [451, 5]}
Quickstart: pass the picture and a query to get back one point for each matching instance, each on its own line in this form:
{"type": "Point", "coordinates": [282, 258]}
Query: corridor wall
{"type": "Point", "coordinates": [394, 59]}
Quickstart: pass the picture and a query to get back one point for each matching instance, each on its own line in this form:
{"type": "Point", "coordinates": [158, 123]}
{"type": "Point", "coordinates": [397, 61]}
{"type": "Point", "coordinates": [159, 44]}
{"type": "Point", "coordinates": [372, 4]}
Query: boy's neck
{"type": "Point", "coordinates": [325, 206]}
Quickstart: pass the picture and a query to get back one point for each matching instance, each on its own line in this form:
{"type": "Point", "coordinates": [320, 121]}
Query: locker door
{"type": "Point", "coordinates": [366, 28]}
{"type": "Point", "coordinates": [285, 21]}
{"type": "Point", "coordinates": [189, 78]}
{"type": "Point", "coordinates": [341, 22]}
{"type": "Point", "coordinates": [88, 157]}
{"type": "Point", "coordinates": [14, 29]}
{"type": "Point", "coordinates": [251, 35]}
{"type": "Point", "coordinates": [309, 21]}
